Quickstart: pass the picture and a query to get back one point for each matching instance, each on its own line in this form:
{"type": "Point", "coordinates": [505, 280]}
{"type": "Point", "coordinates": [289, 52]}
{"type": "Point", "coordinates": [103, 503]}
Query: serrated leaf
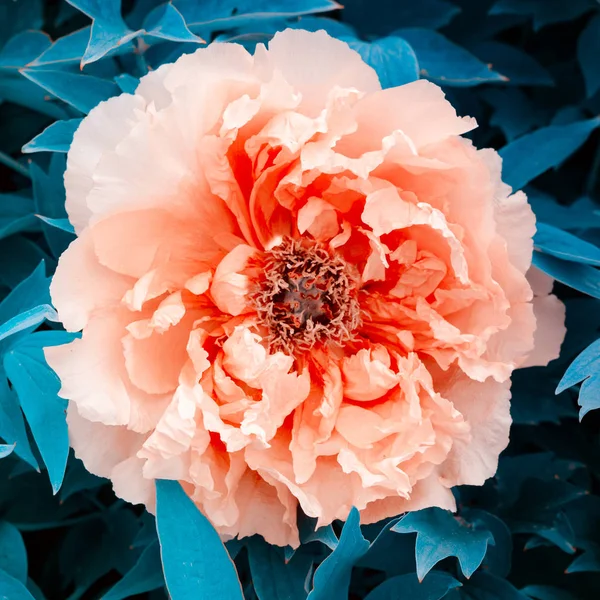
{"type": "Point", "coordinates": [65, 50]}
{"type": "Point", "coordinates": [80, 91]}
{"type": "Point", "coordinates": [145, 576]}
{"type": "Point", "coordinates": [533, 154]}
{"type": "Point", "coordinates": [445, 62]}
{"type": "Point", "coordinates": [37, 387]}
{"type": "Point", "coordinates": [588, 562]}
{"type": "Point", "coordinates": [588, 51]}
{"type": "Point", "coordinates": [440, 534]}
{"type": "Point", "coordinates": [13, 589]}
{"type": "Point", "coordinates": [167, 23]}
{"type": "Point", "coordinates": [13, 556]}
{"type": "Point", "coordinates": [332, 577]}
{"type": "Point", "coordinates": [23, 48]}
{"type": "Point", "coordinates": [195, 562]}
{"type": "Point", "coordinates": [108, 30]}
{"type": "Point", "coordinates": [585, 368]}
{"type": "Point", "coordinates": [435, 586]}
{"type": "Point", "coordinates": [556, 242]}
{"type": "Point", "coordinates": [55, 138]}
{"type": "Point", "coordinates": [392, 58]}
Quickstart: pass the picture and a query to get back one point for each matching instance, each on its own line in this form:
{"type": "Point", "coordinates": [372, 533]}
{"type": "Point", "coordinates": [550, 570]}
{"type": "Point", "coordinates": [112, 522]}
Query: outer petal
{"type": "Point", "coordinates": [82, 286]}
{"type": "Point", "coordinates": [110, 452]}
{"type": "Point", "coordinates": [343, 67]}
{"type": "Point", "coordinates": [549, 333]}
{"type": "Point", "coordinates": [105, 126]}
{"type": "Point", "coordinates": [486, 408]}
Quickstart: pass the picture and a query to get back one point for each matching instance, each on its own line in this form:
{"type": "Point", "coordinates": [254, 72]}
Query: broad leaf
{"type": "Point", "coordinates": [435, 586]}
{"type": "Point", "coordinates": [444, 62]}
{"type": "Point", "coordinates": [392, 58]}
{"type": "Point", "coordinates": [529, 156]}
{"type": "Point", "coordinates": [145, 576]}
{"type": "Point", "coordinates": [55, 138]}
{"type": "Point", "coordinates": [585, 368]}
{"type": "Point", "coordinates": [332, 577]}
{"type": "Point", "coordinates": [195, 562]}
{"type": "Point", "coordinates": [13, 556]}
{"type": "Point", "coordinates": [37, 387]}
{"type": "Point", "coordinates": [440, 534]}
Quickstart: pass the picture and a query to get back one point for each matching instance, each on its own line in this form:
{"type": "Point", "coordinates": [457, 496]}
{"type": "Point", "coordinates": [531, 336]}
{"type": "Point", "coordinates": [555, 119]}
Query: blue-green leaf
{"type": "Point", "coordinates": [37, 387]}
{"type": "Point", "coordinates": [435, 586]}
{"type": "Point", "coordinates": [517, 66]}
{"type": "Point", "coordinates": [80, 91]}
{"type": "Point", "coordinates": [544, 12]}
{"type": "Point", "coordinates": [588, 51]}
{"type": "Point", "coordinates": [62, 224]}
{"type": "Point", "coordinates": [16, 214]}
{"type": "Point", "coordinates": [29, 318]}
{"type": "Point", "coordinates": [588, 562]}
{"type": "Point", "coordinates": [531, 155]}
{"type": "Point", "coordinates": [392, 58]}
{"type": "Point", "coordinates": [13, 589]}
{"type": "Point", "coordinates": [166, 22]}
{"type": "Point", "coordinates": [108, 31]}
{"type": "Point", "coordinates": [23, 48]}
{"type": "Point", "coordinates": [556, 242]}
{"type": "Point", "coordinates": [585, 368]}
{"type": "Point", "coordinates": [580, 277]}
{"type": "Point", "coordinates": [546, 592]}
{"type": "Point", "coordinates": [49, 198]}
{"type": "Point", "coordinates": [12, 425]}
{"type": "Point", "coordinates": [273, 577]}
{"type": "Point", "coordinates": [65, 50]}
{"type": "Point", "coordinates": [444, 62]}
{"type": "Point", "coordinates": [332, 577]}
{"type": "Point", "coordinates": [13, 556]}
{"type": "Point", "coordinates": [440, 534]}
{"type": "Point", "coordinates": [195, 562]}
{"type": "Point", "coordinates": [6, 449]}
{"type": "Point", "coordinates": [146, 575]}
{"type": "Point", "coordinates": [212, 15]}
{"type": "Point", "coordinates": [55, 138]}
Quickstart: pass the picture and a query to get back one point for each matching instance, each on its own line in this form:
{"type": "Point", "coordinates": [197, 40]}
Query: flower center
{"type": "Point", "coordinates": [306, 296]}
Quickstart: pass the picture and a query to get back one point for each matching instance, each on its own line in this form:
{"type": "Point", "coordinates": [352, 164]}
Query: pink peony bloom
{"type": "Point", "coordinates": [295, 289]}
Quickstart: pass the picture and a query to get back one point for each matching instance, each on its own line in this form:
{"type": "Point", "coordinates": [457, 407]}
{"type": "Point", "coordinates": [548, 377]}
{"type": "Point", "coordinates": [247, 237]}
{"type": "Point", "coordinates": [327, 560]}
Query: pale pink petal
{"type": "Point", "coordinates": [82, 285]}
{"type": "Point", "coordinates": [229, 288]}
{"type": "Point", "coordinates": [367, 374]}
{"type": "Point", "coordinates": [343, 68]}
{"type": "Point", "coordinates": [99, 133]}
{"type": "Point", "coordinates": [549, 333]}
{"type": "Point", "coordinates": [486, 408]}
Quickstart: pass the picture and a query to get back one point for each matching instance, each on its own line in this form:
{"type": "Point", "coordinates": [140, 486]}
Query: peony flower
{"type": "Point", "coordinates": [295, 290]}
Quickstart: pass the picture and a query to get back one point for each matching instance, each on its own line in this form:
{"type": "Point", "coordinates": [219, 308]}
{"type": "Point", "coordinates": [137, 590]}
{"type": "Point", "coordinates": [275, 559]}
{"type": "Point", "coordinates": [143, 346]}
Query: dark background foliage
{"type": "Point", "coordinates": [529, 71]}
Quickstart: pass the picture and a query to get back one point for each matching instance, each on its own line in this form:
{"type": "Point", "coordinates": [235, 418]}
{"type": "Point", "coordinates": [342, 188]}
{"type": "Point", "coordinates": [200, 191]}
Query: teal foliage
{"type": "Point", "coordinates": [529, 72]}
